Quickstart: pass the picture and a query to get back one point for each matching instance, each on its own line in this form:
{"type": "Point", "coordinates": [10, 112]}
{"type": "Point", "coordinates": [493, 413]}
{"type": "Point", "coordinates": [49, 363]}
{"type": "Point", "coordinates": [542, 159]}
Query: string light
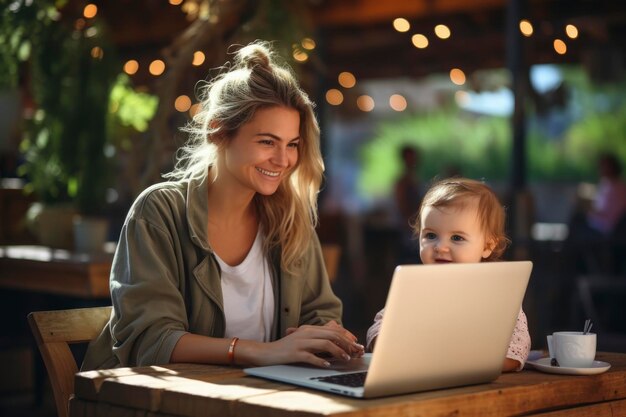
{"type": "Point", "coordinates": [334, 97]}
{"type": "Point", "coordinates": [572, 31]}
{"type": "Point", "coordinates": [91, 32]}
{"type": "Point", "coordinates": [175, 2]}
{"type": "Point", "coordinates": [182, 103]}
{"type": "Point", "coordinates": [90, 11]}
{"type": "Point", "coordinates": [300, 56]}
{"type": "Point", "coordinates": [97, 52]}
{"type": "Point", "coordinates": [442, 31]}
{"type": "Point", "coordinates": [401, 24]}
{"type": "Point", "coordinates": [346, 79]}
{"type": "Point", "coordinates": [157, 67]}
{"type": "Point", "coordinates": [198, 58]}
{"type": "Point", "coordinates": [194, 110]}
{"type": "Point", "coordinates": [457, 76]}
{"type": "Point", "coordinates": [308, 43]}
{"type": "Point", "coordinates": [365, 103]}
{"type": "Point", "coordinates": [397, 102]}
{"type": "Point", "coordinates": [526, 27]}
{"type": "Point", "coordinates": [560, 47]}
{"type": "Point", "coordinates": [419, 41]}
{"type": "Point", "coordinates": [131, 67]}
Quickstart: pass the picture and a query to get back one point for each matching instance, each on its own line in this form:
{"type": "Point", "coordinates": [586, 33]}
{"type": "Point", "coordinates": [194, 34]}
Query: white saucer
{"type": "Point", "coordinates": [543, 364]}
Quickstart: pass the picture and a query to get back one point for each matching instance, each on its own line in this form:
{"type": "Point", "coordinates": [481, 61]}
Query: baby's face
{"type": "Point", "coordinates": [452, 234]}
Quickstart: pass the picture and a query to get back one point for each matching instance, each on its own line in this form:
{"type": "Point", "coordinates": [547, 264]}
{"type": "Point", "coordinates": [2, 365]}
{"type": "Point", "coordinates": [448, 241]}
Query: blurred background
{"type": "Point", "coordinates": [527, 95]}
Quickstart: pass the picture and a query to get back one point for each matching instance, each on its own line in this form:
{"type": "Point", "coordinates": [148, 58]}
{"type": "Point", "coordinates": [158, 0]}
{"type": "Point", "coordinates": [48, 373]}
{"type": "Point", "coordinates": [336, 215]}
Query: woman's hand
{"type": "Point", "coordinates": [358, 349]}
{"type": "Point", "coordinates": [304, 344]}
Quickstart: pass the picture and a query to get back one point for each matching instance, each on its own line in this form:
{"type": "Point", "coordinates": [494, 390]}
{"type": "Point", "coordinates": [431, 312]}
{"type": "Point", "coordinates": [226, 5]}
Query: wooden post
{"type": "Point", "coordinates": [519, 204]}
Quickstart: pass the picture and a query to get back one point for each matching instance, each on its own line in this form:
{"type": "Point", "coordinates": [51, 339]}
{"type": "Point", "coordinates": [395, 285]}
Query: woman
{"type": "Point", "coordinates": [222, 265]}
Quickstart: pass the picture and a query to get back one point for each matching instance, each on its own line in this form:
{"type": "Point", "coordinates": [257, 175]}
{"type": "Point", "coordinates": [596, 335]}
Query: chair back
{"type": "Point", "coordinates": [331, 254]}
{"type": "Point", "coordinates": [54, 331]}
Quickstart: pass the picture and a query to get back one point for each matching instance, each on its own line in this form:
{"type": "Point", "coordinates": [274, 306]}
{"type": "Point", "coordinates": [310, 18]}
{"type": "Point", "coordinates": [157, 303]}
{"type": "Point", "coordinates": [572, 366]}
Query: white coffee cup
{"type": "Point", "coordinates": [574, 349]}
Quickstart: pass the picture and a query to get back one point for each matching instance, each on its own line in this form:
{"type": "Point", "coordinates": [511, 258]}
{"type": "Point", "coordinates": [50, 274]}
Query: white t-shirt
{"type": "Point", "coordinates": [248, 295]}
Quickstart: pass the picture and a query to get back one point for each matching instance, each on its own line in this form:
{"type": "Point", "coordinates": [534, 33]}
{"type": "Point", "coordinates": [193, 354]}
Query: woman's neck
{"type": "Point", "coordinates": [228, 203]}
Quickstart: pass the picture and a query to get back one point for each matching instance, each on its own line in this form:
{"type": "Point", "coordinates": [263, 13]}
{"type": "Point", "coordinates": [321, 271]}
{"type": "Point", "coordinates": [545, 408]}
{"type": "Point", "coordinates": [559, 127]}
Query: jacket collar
{"type": "Point", "coordinates": [197, 212]}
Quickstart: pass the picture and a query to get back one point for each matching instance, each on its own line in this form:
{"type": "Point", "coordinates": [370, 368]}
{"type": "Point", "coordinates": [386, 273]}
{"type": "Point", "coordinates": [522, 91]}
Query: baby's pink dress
{"type": "Point", "coordinates": [519, 346]}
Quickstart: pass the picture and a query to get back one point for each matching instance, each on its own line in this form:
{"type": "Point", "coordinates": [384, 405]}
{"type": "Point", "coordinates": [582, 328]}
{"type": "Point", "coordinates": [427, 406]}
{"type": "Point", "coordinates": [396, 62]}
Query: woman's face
{"type": "Point", "coordinates": [263, 151]}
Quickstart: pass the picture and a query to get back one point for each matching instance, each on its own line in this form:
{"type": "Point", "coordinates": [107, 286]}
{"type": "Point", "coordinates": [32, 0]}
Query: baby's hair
{"type": "Point", "coordinates": [455, 192]}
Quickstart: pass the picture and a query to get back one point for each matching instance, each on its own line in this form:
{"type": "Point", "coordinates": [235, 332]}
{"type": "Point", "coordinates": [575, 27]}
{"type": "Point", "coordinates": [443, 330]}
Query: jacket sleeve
{"type": "Point", "coordinates": [319, 304]}
{"type": "Point", "coordinates": [149, 308]}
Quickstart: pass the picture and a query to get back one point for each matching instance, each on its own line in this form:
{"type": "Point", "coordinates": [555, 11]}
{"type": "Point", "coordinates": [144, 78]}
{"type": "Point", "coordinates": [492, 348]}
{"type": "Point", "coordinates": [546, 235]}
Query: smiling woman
{"type": "Point", "coordinates": [264, 152]}
{"type": "Point", "coordinates": [222, 264]}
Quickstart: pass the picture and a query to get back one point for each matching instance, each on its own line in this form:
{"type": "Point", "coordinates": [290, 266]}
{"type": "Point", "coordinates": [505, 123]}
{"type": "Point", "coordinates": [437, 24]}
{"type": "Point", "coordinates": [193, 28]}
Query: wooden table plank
{"type": "Point", "coordinates": [188, 390]}
{"type": "Point", "coordinates": [607, 409]}
{"type": "Point", "coordinates": [215, 397]}
{"type": "Point", "coordinates": [87, 385]}
{"type": "Point", "coordinates": [55, 271]}
{"type": "Point", "coordinates": [480, 400]}
{"type": "Point", "coordinates": [142, 388]}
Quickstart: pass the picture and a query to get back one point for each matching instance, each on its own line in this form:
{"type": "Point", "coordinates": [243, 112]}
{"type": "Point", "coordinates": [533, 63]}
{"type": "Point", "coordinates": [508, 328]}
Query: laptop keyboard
{"type": "Point", "coordinates": [356, 379]}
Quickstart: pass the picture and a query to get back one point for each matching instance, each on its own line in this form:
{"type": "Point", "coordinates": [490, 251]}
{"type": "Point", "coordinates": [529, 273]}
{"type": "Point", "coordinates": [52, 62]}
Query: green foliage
{"type": "Point", "coordinates": [446, 139]}
{"type": "Point", "coordinates": [596, 133]}
{"type": "Point", "coordinates": [130, 112]}
{"type": "Point", "coordinates": [71, 75]}
{"type": "Point", "coordinates": [21, 24]}
{"type": "Point", "coordinates": [480, 146]}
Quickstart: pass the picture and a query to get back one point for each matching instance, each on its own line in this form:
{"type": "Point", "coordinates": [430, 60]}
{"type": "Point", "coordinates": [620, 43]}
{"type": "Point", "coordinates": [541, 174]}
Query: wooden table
{"type": "Point", "coordinates": [203, 390]}
{"type": "Point", "coordinates": [55, 271]}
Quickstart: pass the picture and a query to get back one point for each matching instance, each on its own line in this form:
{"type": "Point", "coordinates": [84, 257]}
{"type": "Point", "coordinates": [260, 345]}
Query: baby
{"type": "Point", "coordinates": [461, 220]}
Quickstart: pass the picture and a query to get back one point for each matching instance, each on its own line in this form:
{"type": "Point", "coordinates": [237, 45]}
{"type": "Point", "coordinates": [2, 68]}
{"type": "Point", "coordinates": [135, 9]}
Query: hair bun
{"type": "Point", "coordinates": [253, 55]}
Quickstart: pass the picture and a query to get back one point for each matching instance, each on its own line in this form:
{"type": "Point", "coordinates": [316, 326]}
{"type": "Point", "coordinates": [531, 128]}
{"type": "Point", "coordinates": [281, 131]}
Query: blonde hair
{"type": "Point", "coordinates": [255, 81]}
{"type": "Point", "coordinates": [455, 192]}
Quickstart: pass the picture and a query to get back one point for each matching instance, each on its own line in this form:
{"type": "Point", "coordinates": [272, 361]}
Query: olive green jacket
{"type": "Point", "coordinates": [165, 282]}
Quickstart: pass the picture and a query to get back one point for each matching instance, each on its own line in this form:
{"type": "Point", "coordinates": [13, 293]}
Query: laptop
{"type": "Point", "coordinates": [445, 326]}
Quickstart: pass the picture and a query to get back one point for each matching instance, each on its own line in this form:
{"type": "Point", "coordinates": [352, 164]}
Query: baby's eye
{"type": "Point", "coordinates": [458, 238]}
{"type": "Point", "coordinates": [430, 236]}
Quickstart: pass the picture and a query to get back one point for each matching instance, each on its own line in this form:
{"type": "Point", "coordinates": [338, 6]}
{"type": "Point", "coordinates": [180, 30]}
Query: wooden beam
{"type": "Point", "coordinates": [350, 12]}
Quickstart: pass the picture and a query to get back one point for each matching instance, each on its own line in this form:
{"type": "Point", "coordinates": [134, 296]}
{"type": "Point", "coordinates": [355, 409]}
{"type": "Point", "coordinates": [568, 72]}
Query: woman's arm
{"type": "Point", "coordinates": [301, 345]}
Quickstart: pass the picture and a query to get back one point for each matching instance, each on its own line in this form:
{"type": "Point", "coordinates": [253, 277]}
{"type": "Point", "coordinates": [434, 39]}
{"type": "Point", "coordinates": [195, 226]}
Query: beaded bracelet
{"type": "Point", "coordinates": [231, 350]}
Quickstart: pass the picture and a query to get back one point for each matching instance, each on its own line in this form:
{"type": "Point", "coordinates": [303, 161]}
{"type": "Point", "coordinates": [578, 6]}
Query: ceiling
{"type": "Point", "coordinates": [358, 35]}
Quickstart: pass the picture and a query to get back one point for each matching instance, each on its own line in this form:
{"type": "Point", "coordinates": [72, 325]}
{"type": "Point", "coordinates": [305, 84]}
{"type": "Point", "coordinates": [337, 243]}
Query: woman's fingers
{"type": "Point", "coordinates": [314, 360]}
{"type": "Point", "coordinates": [334, 324]}
{"type": "Point", "coordinates": [305, 343]}
{"type": "Point", "coordinates": [335, 335]}
{"type": "Point", "coordinates": [349, 340]}
{"type": "Point", "coordinates": [326, 346]}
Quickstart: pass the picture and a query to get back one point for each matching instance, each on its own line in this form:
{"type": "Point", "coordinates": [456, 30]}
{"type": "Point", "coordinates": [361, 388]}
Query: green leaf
{"type": "Point", "coordinates": [72, 186]}
{"type": "Point", "coordinates": [23, 52]}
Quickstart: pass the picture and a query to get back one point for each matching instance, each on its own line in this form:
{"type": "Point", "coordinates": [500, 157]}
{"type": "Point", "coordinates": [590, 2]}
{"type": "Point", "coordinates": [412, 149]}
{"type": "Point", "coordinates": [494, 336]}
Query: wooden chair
{"type": "Point", "coordinates": [331, 253]}
{"type": "Point", "coordinates": [54, 331]}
